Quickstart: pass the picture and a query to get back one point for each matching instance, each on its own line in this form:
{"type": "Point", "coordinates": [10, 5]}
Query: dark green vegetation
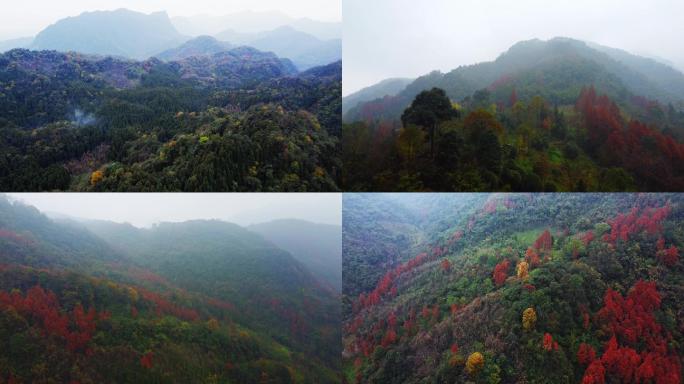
{"type": "Point", "coordinates": [317, 246]}
{"type": "Point", "coordinates": [545, 116]}
{"type": "Point", "coordinates": [193, 302]}
{"type": "Point", "coordinates": [238, 120]}
{"type": "Point", "coordinates": [511, 288]}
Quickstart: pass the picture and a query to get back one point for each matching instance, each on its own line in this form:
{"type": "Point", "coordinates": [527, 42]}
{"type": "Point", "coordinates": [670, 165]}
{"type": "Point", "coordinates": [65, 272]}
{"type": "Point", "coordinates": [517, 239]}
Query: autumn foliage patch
{"type": "Point", "coordinates": [638, 350]}
{"type": "Point", "coordinates": [41, 307]}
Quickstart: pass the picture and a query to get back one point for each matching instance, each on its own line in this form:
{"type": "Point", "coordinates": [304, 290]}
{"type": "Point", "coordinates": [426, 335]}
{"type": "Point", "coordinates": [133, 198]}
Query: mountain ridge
{"type": "Point", "coordinates": [304, 49]}
{"type": "Point", "coordinates": [135, 35]}
{"type": "Point", "coordinates": [523, 59]}
{"type": "Point", "coordinates": [251, 22]}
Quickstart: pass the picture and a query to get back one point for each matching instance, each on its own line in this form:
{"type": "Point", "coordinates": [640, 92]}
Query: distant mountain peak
{"type": "Point", "coordinates": [120, 32]}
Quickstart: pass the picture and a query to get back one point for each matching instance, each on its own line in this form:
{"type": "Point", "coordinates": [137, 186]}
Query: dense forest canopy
{"type": "Point", "coordinates": [194, 302]}
{"type": "Point", "coordinates": [484, 144]}
{"type": "Point", "coordinates": [498, 288]}
{"type": "Point", "coordinates": [238, 120]}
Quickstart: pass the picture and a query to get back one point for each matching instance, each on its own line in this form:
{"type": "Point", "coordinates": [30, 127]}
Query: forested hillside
{"type": "Point", "coordinates": [509, 288]}
{"type": "Point", "coordinates": [545, 116]}
{"type": "Point", "coordinates": [237, 120]}
{"type": "Point", "coordinates": [194, 302]}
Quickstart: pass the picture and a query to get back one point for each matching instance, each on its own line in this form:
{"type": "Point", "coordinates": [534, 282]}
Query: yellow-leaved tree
{"type": "Point", "coordinates": [529, 318]}
{"type": "Point", "coordinates": [522, 269]}
{"type": "Point", "coordinates": [96, 177]}
{"type": "Point", "coordinates": [475, 363]}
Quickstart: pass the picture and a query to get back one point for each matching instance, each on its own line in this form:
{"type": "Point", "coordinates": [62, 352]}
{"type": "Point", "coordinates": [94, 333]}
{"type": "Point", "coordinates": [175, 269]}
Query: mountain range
{"type": "Point", "coordinates": [255, 22]}
{"type": "Point", "coordinates": [556, 69]}
{"type": "Point", "coordinates": [159, 294]}
{"type": "Point", "coordinates": [303, 49]}
{"type": "Point", "coordinates": [129, 34]}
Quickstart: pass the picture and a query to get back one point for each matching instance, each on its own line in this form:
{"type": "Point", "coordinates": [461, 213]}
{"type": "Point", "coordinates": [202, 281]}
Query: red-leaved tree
{"type": "Point", "coordinates": [544, 242]}
{"type": "Point", "coordinates": [501, 272]}
{"type": "Point", "coordinates": [548, 343]}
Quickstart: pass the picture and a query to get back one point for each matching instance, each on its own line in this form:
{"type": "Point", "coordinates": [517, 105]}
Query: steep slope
{"type": "Point", "coordinates": [370, 247]}
{"type": "Point", "coordinates": [276, 294]}
{"type": "Point", "coordinates": [528, 287]}
{"type": "Point", "coordinates": [182, 252]}
{"type": "Point", "coordinates": [317, 246]}
{"type": "Point", "coordinates": [381, 231]}
{"type": "Point", "coordinates": [303, 49]}
{"type": "Point", "coordinates": [664, 76]}
{"type": "Point", "coordinates": [199, 46]}
{"type": "Point", "coordinates": [27, 237]}
{"type": "Point", "coordinates": [556, 69]}
{"type": "Point", "coordinates": [219, 304]}
{"type": "Point", "coordinates": [116, 33]}
{"type": "Point", "coordinates": [388, 87]}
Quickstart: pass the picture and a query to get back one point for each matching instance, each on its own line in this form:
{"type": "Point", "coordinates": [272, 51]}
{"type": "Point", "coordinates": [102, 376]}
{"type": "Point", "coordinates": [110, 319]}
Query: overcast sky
{"type": "Point", "coordinates": [409, 38]}
{"type": "Point", "coordinates": [145, 209]}
{"type": "Point", "coordinates": [28, 17]}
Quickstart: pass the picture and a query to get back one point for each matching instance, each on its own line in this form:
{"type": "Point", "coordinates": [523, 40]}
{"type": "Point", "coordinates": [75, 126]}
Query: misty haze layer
{"type": "Point", "coordinates": [27, 18]}
{"type": "Point", "coordinates": [145, 209]}
{"type": "Point", "coordinates": [410, 39]}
